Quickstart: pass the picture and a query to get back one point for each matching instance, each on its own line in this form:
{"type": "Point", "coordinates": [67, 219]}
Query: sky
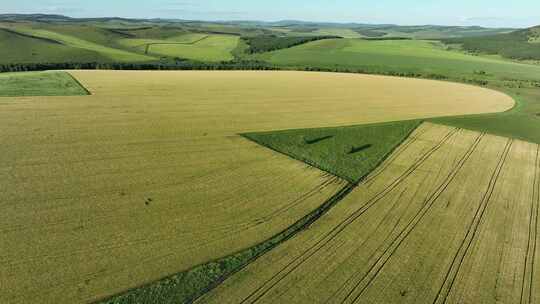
{"type": "Point", "coordinates": [491, 13]}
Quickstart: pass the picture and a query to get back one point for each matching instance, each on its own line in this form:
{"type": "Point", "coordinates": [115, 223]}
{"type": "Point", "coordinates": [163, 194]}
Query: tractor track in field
{"type": "Point", "coordinates": [401, 148]}
{"type": "Point", "coordinates": [285, 235]}
{"type": "Point", "coordinates": [530, 256]}
{"type": "Point", "coordinates": [385, 256]}
{"type": "Point", "coordinates": [263, 289]}
{"type": "Point", "coordinates": [223, 230]}
{"type": "Point", "coordinates": [470, 236]}
{"type": "Point", "coordinates": [299, 200]}
{"type": "Point", "coordinates": [379, 225]}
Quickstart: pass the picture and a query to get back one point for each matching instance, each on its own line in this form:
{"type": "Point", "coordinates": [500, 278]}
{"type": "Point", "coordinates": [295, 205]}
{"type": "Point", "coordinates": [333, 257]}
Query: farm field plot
{"type": "Point", "coordinates": [39, 84]}
{"type": "Point", "coordinates": [148, 176]}
{"type": "Point", "coordinates": [450, 217]}
{"type": "Point", "coordinates": [212, 48]}
{"type": "Point", "coordinates": [141, 44]}
{"type": "Point", "coordinates": [137, 42]}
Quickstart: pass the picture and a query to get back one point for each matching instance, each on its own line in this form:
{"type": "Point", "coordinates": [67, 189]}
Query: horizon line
{"type": "Point", "coordinates": [255, 20]}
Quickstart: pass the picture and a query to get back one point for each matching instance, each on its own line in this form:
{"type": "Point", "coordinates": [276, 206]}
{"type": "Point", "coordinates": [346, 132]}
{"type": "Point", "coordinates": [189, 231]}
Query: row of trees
{"type": "Point", "coordinates": [225, 65]}
{"type": "Point", "coordinates": [262, 44]}
{"type": "Point", "coordinates": [177, 65]}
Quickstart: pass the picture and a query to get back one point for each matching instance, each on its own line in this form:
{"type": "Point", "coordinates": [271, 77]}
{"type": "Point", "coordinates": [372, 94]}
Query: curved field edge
{"type": "Point", "coordinates": [51, 83]}
{"type": "Point", "coordinates": [521, 122]}
{"type": "Point", "coordinates": [187, 286]}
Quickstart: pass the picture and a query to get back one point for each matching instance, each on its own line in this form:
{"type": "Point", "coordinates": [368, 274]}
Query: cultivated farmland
{"type": "Point", "coordinates": [211, 48]}
{"type": "Point", "coordinates": [200, 47]}
{"type": "Point", "coordinates": [39, 84]}
{"type": "Point", "coordinates": [450, 217]}
{"type": "Point", "coordinates": [148, 176]}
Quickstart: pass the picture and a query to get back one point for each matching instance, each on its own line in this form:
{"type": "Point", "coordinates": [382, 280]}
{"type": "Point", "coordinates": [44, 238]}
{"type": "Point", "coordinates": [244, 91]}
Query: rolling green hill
{"type": "Point", "coordinates": [398, 56]}
{"type": "Point", "coordinates": [38, 42]}
{"type": "Point", "coordinates": [414, 32]}
{"type": "Point", "coordinates": [69, 39]}
{"type": "Point", "coordinates": [20, 48]}
{"type": "Point", "coordinates": [521, 44]}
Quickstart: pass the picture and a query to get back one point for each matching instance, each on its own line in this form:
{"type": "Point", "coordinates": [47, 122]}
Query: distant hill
{"type": "Point", "coordinates": [33, 17]}
{"type": "Point", "coordinates": [534, 34]}
{"type": "Point", "coordinates": [521, 44]}
{"type": "Point", "coordinates": [48, 38]}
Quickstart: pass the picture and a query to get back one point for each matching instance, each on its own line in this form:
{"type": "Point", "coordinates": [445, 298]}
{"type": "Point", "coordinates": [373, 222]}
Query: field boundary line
{"type": "Point", "coordinates": [78, 82]}
{"type": "Point", "coordinates": [471, 234]}
{"type": "Point", "coordinates": [395, 154]}
{"type": "Point", "coordinates": [148, 45]}
{"type": "Point", "coordinates": [386, 255]}
{"type": "Point", "coordinates": [285, 235]}
{"type": "Point", "coordinates": [330, 235]}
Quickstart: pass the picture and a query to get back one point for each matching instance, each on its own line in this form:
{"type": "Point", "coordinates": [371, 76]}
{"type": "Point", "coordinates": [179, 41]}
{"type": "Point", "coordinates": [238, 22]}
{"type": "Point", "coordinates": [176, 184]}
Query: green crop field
{"type": "Point", "coordinates": [416, 56]}
{"type": "Point", "coordinates": [39, 84]}
{"type": "Point", "coordinates": [343, 32]}
{"type": "Point", "coordinates": [201, 47]}
{"type": "Point", "coordinates": [212, 48]}
{"type": "Point", "coordinates": [347, 152]}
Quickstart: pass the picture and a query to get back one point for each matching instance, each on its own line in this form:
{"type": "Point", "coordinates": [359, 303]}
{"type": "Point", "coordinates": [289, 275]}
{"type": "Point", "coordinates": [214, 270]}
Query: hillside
{"type": "Point", "coordinates": [21, 48]}
{"type": "Point", "coordinates": [520, 44]}
{"type": "Point", "coordinates": [43, 38]}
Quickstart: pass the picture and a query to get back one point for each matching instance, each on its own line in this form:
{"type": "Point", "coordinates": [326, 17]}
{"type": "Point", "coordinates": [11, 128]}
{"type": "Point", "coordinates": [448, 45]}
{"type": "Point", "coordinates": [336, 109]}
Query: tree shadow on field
{"type": "Point", "coordinates": [316, 140]}
{"type": "Point", "coordinates": [355, 150]}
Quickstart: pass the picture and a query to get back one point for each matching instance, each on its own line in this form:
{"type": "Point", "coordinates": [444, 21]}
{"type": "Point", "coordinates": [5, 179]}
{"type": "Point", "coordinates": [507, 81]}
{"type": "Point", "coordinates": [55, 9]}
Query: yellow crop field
{"type": "Point", "coordinates": [450, 217]}
{"type": "Point", "coordinates": [148, 176]}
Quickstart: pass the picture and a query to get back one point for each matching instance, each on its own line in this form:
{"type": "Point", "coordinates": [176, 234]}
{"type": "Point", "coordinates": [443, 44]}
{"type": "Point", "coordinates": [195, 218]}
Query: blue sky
{"type": "Point", "coordinates": [518, 13]}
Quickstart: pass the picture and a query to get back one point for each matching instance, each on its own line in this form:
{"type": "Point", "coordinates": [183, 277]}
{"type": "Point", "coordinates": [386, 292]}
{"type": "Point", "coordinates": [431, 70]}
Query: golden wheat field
{"type": "Point", "coordinates": [148, 177]}
{"type": "Point", "coordinates": [449, 217]}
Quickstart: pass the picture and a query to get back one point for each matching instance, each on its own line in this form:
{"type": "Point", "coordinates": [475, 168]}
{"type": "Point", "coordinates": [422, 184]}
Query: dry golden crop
{"type": "Point", "coordinates": [148, 177]}
{"type": "Point", "coordinates": [450, 217]}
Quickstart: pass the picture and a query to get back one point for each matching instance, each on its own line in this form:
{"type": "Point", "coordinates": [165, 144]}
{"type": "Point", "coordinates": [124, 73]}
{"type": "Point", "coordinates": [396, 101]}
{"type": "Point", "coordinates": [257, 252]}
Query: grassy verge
{"type": "Point", "coordinates": [522, 122]}
{"type": "Point", "coordinates": [40, 84]}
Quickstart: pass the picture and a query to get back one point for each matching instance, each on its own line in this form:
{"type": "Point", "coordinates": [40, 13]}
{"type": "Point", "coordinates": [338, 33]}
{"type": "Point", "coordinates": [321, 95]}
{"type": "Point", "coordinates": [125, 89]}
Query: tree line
{"type": "Point", "coordinates": [177, 65]}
